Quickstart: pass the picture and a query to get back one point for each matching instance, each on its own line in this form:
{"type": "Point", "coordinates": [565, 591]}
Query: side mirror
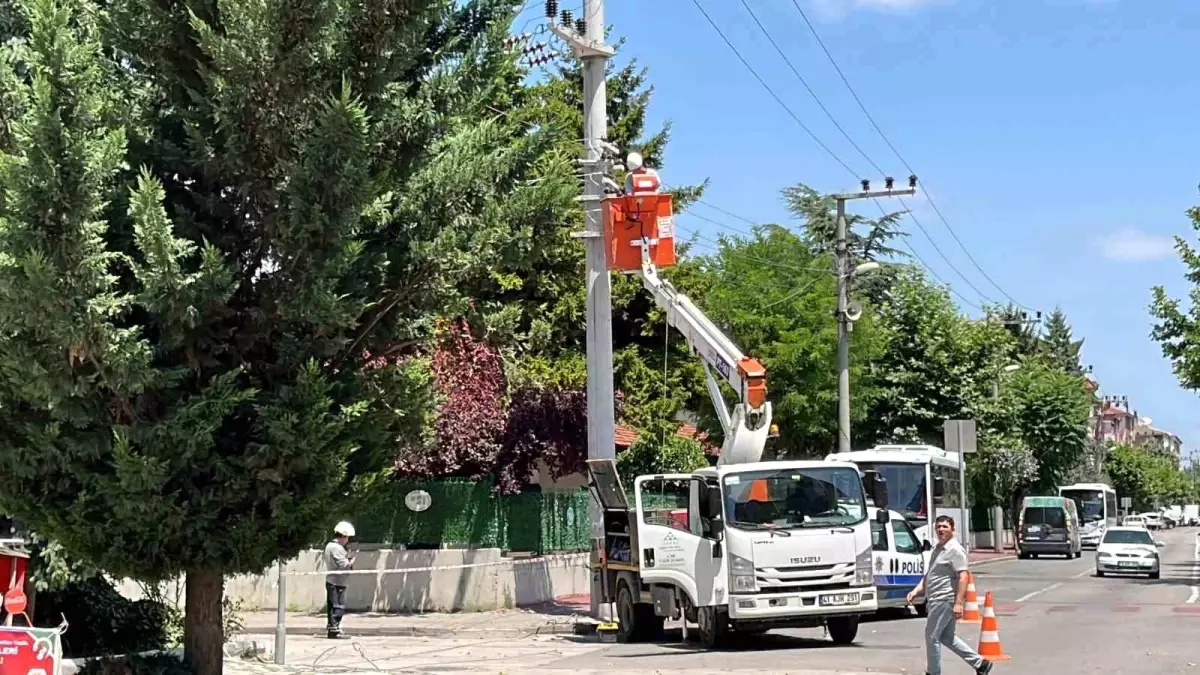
{"type": "Point", "coordinates": [883, 517]}
{"type": "Point", "coordinates": [1159, 544]}
{"type": "Point", "coordinates": [926, 546]}
{"type": "Point", "coordinates": [939, 487]}
{"type": "Point", "coordinates": [875, 486]}
{"type": "Point", "coordinates": [716, 527]}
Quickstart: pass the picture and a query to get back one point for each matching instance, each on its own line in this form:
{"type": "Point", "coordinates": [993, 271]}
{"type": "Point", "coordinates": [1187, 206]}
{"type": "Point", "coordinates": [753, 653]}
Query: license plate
{"type": "Point", "coordinates": [839, 599]}
{"type": "Point", "coordinates": [1127, 563]}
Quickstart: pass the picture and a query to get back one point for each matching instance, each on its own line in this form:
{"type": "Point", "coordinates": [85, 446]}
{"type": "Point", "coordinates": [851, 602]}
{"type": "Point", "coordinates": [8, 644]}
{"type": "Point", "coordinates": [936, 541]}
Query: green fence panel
{"type": "Point", "coordinates": [563, 521]}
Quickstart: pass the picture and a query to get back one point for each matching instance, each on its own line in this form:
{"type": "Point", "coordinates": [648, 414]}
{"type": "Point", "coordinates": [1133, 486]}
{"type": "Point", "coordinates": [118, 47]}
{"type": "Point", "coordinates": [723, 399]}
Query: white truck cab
{"type": "Point", "coordinates": [739, 548]}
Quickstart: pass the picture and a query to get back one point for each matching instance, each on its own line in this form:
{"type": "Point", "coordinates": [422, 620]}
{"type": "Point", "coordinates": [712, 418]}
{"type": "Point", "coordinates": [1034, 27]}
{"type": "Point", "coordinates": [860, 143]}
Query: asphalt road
{"type": "Point", "coordinates": [1055, 617]}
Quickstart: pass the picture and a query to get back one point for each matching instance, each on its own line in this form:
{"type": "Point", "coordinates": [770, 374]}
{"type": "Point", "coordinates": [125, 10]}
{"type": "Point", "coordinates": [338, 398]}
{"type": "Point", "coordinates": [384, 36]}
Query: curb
{"type": "Point", "coordinates": [989, 561]}
{"type": "Point", "coordinates": [425, 631]}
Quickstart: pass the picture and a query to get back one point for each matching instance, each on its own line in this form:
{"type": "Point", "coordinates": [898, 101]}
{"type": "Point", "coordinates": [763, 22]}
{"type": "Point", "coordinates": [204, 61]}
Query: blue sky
{"type": "Point", "coordinates": [1058, 137]}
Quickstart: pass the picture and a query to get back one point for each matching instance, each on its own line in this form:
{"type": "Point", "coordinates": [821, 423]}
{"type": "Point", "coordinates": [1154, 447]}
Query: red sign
{"type": "Point", "coordinates": [29, 651]}
{"type": "Point", "coordinates": [15, 601]}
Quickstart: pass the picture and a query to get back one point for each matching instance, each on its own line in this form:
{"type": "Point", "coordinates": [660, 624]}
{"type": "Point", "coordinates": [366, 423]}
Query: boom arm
{"type": "Point", "coordinates": [748, 425]}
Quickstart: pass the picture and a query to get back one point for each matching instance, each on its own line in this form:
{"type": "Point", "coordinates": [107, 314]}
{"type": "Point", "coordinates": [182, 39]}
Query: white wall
{"type": "Point", "coordinates": [494, 582]}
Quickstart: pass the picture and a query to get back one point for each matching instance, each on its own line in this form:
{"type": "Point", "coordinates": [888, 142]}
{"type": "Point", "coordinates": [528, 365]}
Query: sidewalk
{"type": "Point", "coordinates": [983, 556]}
{"type": "Point", "coordinates": [555, 618]}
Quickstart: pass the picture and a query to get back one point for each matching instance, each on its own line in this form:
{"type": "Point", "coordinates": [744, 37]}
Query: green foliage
{"type": "Point", "coordinates": [1003, 473]}
{"type": "Point", "coordinates": [651, 454]}
{"type": "Point", "coordinates": [775, 298]}
{"type": "Point", "coordinates": [868, 239]}
{"type": "Point", "coordinates": [213, 216]}
{"type": "Point", "coordinates": [102, 620]}
{"type": "Point", "coordinates": [1059, 345]}
{"type": "Point", "coordinates": [1177, 328]}
{"type": "Point", "coordinates": [1051, 414]}
{"type": "Point", "coordinates": [936, 364]}
{"type": "Point", "coordinates": [1149, 479]}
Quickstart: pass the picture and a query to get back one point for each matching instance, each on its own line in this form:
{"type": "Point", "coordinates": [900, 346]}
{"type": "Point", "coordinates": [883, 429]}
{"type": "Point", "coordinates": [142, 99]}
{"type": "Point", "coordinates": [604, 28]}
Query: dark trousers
{"type": "Point", "coordinates": [335, 607]}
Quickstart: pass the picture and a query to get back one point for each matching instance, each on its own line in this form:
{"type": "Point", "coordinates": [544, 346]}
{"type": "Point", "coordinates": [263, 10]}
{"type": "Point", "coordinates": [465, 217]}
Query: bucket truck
{"type": "Point", "coordinates": [745, 546]}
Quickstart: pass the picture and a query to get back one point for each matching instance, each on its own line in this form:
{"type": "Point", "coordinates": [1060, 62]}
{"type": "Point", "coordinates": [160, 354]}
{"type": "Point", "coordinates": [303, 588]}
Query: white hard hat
{"type": "Point", "coordinates": [344, 529]}
{"type": "Point", "coordinates": [634, 161]}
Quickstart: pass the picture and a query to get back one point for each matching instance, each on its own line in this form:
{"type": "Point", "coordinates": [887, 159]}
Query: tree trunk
{"type": "Point", "coordinates": [203, 637]}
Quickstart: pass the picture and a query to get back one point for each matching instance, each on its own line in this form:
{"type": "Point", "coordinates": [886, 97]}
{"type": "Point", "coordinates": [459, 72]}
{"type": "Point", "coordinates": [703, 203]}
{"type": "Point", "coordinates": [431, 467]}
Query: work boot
{"type": "Point", "coordinates": [337, 635]}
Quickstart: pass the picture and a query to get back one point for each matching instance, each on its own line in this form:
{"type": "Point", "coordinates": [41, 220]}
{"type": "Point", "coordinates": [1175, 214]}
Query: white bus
{"type": "Point", "coordinates": [1097, 507]}
{"type": "Point", "coordinates": [917, 476]}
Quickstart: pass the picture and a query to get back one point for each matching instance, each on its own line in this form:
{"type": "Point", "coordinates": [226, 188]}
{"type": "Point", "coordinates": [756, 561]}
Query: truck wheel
{"type": "Point", "coordinates": [842, 629]}
{"type": "Point", "coordinates": [628, 627]}
{"type": "Point", "coordinates": [713, 625]}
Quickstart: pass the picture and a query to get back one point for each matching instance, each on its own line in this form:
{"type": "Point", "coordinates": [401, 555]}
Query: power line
{"type": "Point", "coordinates": [771, 91]}
{"type": "Point", "coordinates": [879, 130]}
{"type": "Point", "coordinates": [811, 93]}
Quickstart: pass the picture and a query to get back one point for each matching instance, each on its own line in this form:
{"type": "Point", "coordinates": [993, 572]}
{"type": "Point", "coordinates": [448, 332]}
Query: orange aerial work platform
{"type": "Point", "coordinates": [643, 215]}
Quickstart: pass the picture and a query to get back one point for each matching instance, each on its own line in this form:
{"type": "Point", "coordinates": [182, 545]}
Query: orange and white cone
{"type": "Point", "coordinates": [989, 633]}
{"type": "Point", "coordinates": [971, 602]}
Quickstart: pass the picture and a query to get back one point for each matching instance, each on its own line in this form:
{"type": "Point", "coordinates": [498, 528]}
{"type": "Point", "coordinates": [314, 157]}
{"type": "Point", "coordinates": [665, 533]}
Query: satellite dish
{"type": "Point", "coordinates": [853, 311]}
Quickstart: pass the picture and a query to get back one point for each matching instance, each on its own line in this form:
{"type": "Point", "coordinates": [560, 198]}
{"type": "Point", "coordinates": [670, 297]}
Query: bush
{"type": "Point", "coordinates": [102, 621]}
{"type": "Point", "coordinates": [156, 664]}
{"type": "Point", "coordinates": [650, 454]}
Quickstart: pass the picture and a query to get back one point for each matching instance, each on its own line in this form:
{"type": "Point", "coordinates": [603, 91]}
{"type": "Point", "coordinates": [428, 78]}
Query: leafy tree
{"type": "Point", "coordinates": [1051, 417]}
{"type": "Point", "coordinates": [652, 454]}
{"type": "Point", "coordinates": [210, 217]}
{"type": "Point", "coordinates": [775, 297]}
{"type": "Point", "coordinates": [935, 364]}
{"type": "Point", "coordinates": [1059, 345]}
{"type": "Point", "coordinates": [1176, 327]}
{"type": "Point", "coordinates": [1005, 471]}
{"type": "Point", "coordinates": [868, 239]}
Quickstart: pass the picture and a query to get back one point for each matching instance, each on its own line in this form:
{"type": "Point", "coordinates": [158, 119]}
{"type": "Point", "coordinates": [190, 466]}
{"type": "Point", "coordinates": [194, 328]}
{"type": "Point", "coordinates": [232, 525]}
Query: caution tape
{"type": "Point", "coordinates": [580, 557]}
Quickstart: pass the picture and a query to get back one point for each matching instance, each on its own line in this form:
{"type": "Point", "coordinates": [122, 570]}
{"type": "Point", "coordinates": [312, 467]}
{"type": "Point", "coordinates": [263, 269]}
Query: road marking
{"type": "Point", "coordinates": [1027, 596]}
{"type": "Point", "coordinates": [1194, 596]}
{"type": "Point", "coordinates": [1084, 573]}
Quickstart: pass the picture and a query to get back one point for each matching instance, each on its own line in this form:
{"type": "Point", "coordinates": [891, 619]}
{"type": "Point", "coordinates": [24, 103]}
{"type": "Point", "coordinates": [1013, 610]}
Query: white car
{"type": "Point", "coordinates": [1128, 550]}
{"type": "Point", "coordinates": [1134, 521]}
{"type": "Point", "coordinates": [1153, 521]}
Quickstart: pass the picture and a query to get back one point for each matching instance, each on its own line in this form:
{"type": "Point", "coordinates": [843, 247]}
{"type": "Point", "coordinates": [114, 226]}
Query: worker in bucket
{"type": "Point", "coordinates": [337, 562]}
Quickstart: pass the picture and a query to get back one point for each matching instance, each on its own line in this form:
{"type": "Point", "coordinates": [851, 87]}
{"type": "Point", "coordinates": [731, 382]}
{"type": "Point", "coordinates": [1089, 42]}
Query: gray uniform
{"type": "Point", "coordinates": [941, 590]}
{"type": "Point", "coordinates": [336, 559]}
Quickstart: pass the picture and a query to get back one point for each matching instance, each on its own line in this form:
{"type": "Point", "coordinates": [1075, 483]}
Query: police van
{"type": "Point", "coordinates": [899, 558]}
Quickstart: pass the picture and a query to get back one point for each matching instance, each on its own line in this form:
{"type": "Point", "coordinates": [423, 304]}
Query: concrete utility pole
{"type": "Point", "coordinates": [281, 617]}
{"type": "Point", "coordinates": [845, 320]}
{"type": "Point", "coordinates": [586, 39]}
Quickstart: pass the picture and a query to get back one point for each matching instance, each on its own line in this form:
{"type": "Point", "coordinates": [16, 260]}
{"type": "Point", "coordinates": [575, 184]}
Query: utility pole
{"type": "Point", "coordinates": [586, 39]}
{"type": "Point", "coordinates": [844, 269]}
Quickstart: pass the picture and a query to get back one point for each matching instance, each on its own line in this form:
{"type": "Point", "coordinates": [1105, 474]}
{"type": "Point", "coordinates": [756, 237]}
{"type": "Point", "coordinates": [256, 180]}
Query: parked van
{"type": "Point", "coordinates": [900, 560]}
{"type": "Point", "coordinates": [1048, 526]}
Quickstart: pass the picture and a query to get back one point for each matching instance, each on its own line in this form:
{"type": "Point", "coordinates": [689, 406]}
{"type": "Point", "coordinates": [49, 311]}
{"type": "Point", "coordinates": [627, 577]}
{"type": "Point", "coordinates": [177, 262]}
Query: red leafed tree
{"type": "Point", "coordinates": [482, 429]}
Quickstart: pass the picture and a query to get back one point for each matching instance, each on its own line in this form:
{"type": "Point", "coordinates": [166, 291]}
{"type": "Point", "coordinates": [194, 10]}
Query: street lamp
{"type": "Point", "coordinates": [866, 268]}
{"type": "Point", "coordinates": [1010, 368]}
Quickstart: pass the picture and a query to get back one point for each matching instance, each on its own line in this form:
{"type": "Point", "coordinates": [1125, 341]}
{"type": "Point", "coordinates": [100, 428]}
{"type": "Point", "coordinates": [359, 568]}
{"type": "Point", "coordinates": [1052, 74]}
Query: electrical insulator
{"type": "Point", "coordinates": [581, 27]}
{"type": "Point", "coordinates": [565, 17]}
{"type": "Point", "coordinates": [551, 9]}
{"type": "Point", "coordinates": [912, 181]}
{"type": "Point", "coordinates": [889, 182]}
{"type": "Point", "coordinates": [866, 185]}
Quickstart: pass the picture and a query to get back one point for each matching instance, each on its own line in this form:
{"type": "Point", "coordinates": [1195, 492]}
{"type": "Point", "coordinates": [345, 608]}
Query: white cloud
{"type": "Point", "coordinates": [1133, 245]}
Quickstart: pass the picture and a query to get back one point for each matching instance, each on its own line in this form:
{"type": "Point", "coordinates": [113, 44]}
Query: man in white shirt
{"type": "Point", "coordinates": [337, 561]}
{"type": "Point", "coordinates": [944, 586]}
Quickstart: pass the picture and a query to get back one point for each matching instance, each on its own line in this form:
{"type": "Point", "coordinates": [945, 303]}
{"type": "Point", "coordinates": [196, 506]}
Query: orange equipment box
{"type": "Point", "coordinates": [630, 218]}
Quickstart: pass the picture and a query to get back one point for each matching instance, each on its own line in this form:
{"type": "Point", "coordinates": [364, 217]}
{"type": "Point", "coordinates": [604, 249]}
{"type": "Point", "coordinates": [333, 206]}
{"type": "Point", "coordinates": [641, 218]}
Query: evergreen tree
{"type": "Point", "coordinates": [1021, 326]}
{"type": "Point", "coordinates": [213, 216]}
{"type": "Point", "coordinates": [1059, 346]}
{"type": "Point", "coordinates": [869, 239]}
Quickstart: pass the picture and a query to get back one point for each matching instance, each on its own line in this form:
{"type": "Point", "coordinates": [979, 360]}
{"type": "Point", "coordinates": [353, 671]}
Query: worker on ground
{"type": "Point", "coordinates": [945, 587]}
{"type": "Point", "coordinates": [337, 562]}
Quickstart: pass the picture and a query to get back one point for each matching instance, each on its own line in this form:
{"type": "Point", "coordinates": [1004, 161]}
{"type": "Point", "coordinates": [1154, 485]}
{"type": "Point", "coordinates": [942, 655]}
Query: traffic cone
{"type": "Point", "coordinates": [989, 633]}
{"type": "Point", "coordinates": [971, 603]}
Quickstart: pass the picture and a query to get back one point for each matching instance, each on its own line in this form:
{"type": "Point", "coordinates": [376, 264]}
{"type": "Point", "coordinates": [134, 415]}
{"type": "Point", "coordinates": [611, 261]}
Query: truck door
{"type": "Point", "coordinates": [672, 549]}
{"type": "Point", "coordinates": [910, 559]}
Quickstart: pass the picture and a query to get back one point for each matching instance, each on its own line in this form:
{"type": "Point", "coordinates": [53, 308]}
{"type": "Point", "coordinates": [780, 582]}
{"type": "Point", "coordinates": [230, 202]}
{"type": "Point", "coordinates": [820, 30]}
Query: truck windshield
{"type": "Point", "coordinates": [792, 498]}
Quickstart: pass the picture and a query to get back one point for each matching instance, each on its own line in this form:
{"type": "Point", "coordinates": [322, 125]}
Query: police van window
{"type": "Point", "coordinates": [906, 538]}
{"type": "Point", "coordinates": [879, 540]}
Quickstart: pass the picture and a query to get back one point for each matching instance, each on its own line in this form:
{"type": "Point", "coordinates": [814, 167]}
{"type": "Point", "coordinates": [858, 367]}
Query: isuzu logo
{"type": "Point", "coordinates": [806, 560]}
